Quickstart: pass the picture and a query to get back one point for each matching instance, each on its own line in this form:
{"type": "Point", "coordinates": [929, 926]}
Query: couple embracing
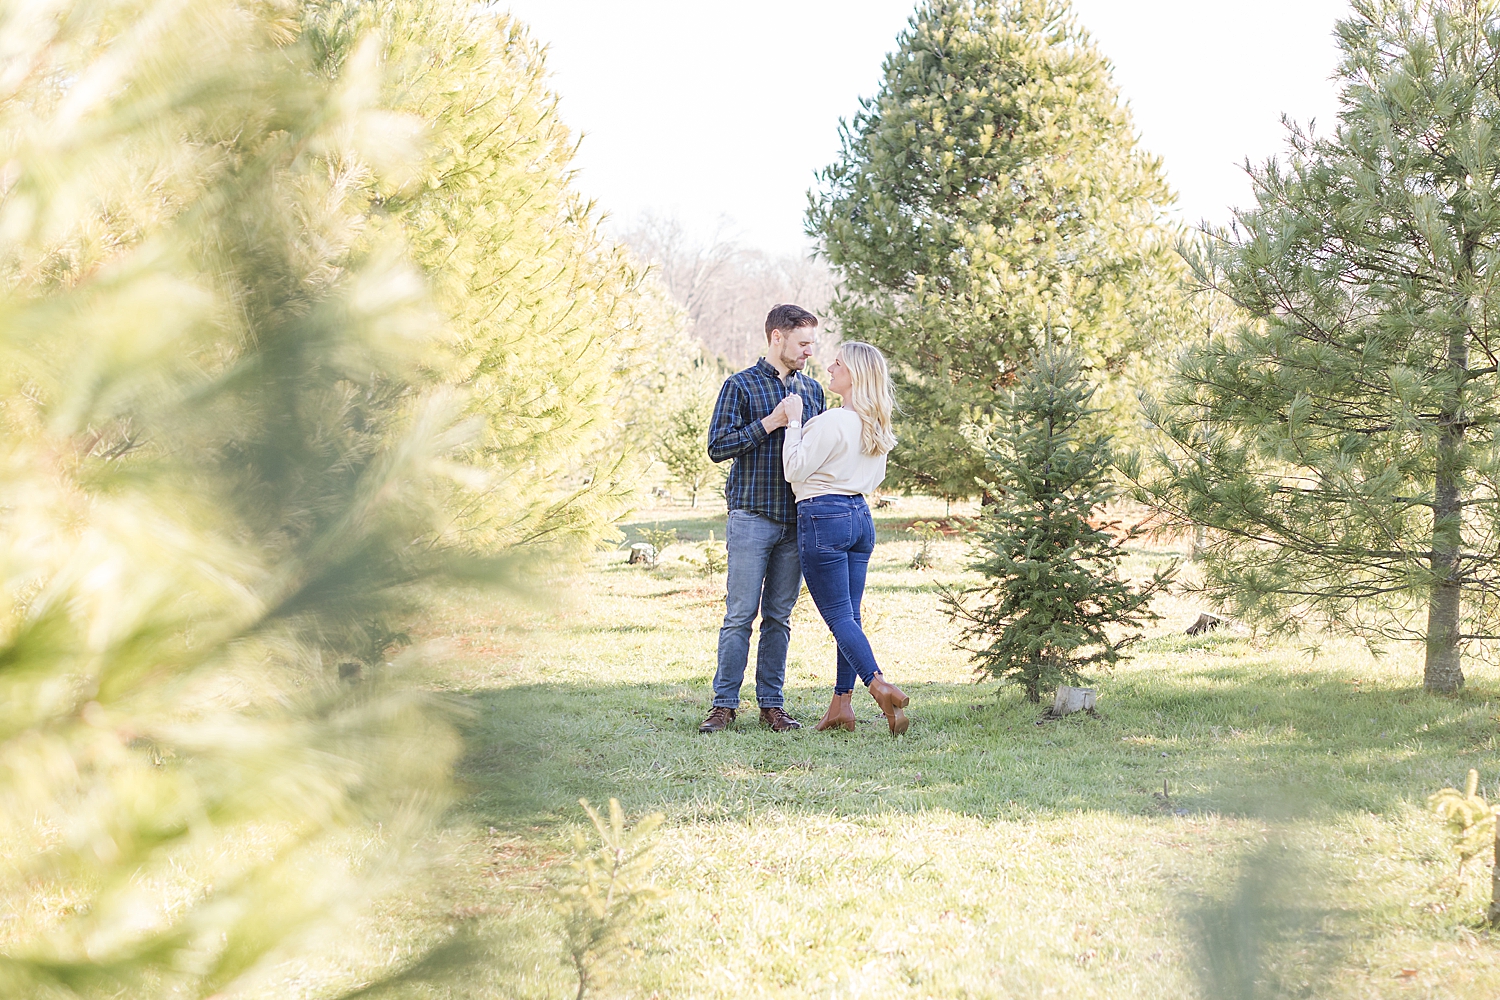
{"type": "Point", "coordinates": [797, 508]}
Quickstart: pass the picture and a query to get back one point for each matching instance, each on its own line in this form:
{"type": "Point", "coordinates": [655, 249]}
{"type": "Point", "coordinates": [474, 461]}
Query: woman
{"type": "Point", "coordinates": [832, 465]}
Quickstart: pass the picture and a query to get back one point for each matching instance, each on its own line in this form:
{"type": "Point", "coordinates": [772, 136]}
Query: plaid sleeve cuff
{"type": "Point", "coordinates": [758, 432]}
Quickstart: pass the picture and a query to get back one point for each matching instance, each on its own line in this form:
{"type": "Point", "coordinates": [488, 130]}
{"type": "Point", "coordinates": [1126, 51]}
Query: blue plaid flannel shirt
{"type": "Point", "coordinates": [757, 482]}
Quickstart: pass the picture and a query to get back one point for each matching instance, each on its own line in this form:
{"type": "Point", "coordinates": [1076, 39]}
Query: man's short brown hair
{"type": "Point", "coordinates": [787, 318]}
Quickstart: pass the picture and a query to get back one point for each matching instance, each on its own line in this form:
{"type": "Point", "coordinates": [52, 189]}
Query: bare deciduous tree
{"type": "Point", "coordinates": [727, 288]}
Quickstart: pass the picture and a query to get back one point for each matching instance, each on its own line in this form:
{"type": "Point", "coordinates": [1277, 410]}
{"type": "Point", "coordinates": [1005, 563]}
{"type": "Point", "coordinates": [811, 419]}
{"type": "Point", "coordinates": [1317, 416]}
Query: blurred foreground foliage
{"type": "Point", "coordinates": [576, 362]}
{"type": "Point", "coordinates": [561, 343]}
{"type": "Point", "coordinates": [297, 316]}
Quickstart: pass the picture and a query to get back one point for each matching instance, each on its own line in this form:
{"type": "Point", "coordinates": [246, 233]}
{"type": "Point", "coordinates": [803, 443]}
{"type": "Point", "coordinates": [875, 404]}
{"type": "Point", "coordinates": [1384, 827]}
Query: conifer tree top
{"type": "Point", "coordinates": [984, 106]}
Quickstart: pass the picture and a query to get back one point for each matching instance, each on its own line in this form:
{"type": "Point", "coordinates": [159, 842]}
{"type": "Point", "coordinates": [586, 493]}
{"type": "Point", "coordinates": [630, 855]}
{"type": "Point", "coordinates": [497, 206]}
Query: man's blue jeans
{"type": "Point", "coordinates": [764, 576]}
{"type": "Point", "coordinates": [838, 536]}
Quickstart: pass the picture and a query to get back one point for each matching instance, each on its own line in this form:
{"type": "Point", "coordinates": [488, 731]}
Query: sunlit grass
{"type": "Point", "coordinates": [981, 855]}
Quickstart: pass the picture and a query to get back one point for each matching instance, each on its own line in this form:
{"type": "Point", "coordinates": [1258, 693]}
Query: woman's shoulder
{"type": "Point", "coordinates": [839, 424]}
{"type": "Point", "coordinates": [838, 414]}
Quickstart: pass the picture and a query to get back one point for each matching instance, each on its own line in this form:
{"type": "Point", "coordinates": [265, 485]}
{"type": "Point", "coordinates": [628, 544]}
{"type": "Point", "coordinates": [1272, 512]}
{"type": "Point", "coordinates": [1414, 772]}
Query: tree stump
{"type": "Point", "coordinates": [1494, 912]}
{"type": "Point", "coordinates": [1071, 699]}
{"type": "Point", "coordinates": [1205, 623]}
{"type": "Point", "coordinates": [642, 552]}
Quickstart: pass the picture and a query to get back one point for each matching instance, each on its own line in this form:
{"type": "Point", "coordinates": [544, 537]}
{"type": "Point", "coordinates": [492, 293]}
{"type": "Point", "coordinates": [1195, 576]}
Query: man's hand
{"type": "Point", "coordinates": [793, 406]}
{"type": "Point", "coordinates": [778, 417]}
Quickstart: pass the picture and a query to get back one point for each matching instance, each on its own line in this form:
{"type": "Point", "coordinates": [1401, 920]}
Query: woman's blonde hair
{"type": "Point", "coordinates": [871, 396]}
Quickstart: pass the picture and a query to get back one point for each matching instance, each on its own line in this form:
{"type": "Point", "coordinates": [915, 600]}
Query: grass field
{"type": "Point", "coordinates": [982, 855]}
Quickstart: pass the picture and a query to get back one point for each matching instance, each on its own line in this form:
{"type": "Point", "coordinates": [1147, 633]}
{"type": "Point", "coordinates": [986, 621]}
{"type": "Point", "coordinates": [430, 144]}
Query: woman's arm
{"type": "Point", "coordinates": [806, 449]}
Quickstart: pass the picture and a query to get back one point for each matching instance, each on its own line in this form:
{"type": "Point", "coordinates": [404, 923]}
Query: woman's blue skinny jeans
{"type": "Point", "coordinates": [835, 536]}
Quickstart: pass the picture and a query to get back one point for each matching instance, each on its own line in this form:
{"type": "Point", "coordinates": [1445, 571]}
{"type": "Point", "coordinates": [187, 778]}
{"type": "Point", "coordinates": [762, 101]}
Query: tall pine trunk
{"type": "Point", "coordinates": [1443, 671]}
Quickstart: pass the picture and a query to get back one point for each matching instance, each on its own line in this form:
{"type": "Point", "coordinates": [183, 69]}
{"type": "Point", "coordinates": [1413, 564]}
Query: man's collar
{"type": "Point", "coordinates": [766, 368]}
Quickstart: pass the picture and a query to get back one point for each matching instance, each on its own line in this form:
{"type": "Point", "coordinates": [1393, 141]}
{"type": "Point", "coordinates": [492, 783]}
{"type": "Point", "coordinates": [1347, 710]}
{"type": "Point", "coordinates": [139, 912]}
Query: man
{"type": "Point", "coordinates": [765, 574]}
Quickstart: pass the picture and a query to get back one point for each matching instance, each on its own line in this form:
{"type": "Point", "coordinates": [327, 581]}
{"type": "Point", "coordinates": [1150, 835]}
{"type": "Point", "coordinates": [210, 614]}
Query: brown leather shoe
{"type": "Point", "coordinates": [778, 720]}
{"type": "Point", "coordinates": [891, 700]}
{"type": "Point", "coordinates": [840, 714]}
{"type": "Point", "coordinates": [718, 719]}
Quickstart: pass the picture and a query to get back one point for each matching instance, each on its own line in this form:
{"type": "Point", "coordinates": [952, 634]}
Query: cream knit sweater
{"type": "Point", "coordinates": [825, 457]}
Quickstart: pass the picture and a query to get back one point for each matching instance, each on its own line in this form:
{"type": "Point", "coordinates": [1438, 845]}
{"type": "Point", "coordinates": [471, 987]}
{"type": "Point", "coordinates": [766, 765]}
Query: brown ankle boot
{"type": "Point", "coordinates": [891, 700]}
{"type": "Point", "coordinates": [840, 714]}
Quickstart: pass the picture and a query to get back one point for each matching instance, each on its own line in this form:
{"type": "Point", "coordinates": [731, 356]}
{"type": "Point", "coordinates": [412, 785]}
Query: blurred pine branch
{"type": "Point", "coordinates": [297, 314]}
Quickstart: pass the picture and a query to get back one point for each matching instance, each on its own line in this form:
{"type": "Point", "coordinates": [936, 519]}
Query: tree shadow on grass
{"type": "Point", "coordinates": [926, 587]}
{"type": "Point", "coordinates": [1222, 748]}
{"type": "Point", "coordinates": [691, 526]}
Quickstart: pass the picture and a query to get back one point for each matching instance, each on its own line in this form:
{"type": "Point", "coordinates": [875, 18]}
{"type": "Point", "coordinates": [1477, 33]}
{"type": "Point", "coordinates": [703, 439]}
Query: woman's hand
{"type": "Point", "coordinates": [793, 404]}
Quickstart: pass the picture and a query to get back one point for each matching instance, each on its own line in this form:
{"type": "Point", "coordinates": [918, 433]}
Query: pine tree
{"type": "Point", "coordinates": [1352, 474]}
{"type": "Point", "coordinates": [1053, 589]}
{"type": "Point", "coordinates": [683, 443]}
{"type": "Point", "coordinates": [664, 393]}
{"type": "Point", "coordinates": [546, 318]}
{"type": "Point", "coordinates": [992, 190]}
{"type": "Point", "coordinates": [300, 310]}
{"type": "Point", "coordinates": [218, 451]}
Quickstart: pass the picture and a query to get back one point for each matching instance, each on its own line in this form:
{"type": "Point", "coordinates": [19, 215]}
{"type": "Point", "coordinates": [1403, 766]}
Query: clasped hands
{"type": "Point", "coordinates": [788, 411]}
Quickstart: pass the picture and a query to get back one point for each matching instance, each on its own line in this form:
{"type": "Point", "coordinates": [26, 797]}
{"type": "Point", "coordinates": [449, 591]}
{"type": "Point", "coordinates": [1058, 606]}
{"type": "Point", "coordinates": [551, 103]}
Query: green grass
{"type": "Point", "coordinates": [982, 855]}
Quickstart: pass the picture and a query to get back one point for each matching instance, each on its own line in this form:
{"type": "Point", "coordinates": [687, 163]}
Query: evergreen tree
{"type": "Point", "coordinates": [546, 319]}
{"type": "Point", "coordinates": [992, 190]}
{"type": "Point", "coordinates": [664, 373]}
{"type": "Point", "coordinates": [217, 458]}
{"type": "Point", "coordinates": [299, 306]}
{"type": "Point", "coordinates": [1053, 589]}
{"type": "Point", "coordinates": [1353, 472]}
{"type": "Point", "coordinates": [683, 444]}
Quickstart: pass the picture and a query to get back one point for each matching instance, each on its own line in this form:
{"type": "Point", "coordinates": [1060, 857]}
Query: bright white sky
{"type": "Point", "coordinates": [723, 112]}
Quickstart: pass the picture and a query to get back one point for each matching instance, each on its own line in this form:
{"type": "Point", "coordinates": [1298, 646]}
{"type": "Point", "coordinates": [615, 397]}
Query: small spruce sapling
{"type": "Point", "coordinates": [926, 534]}
{"type": "Point", "coordinates": [1052, 585]}
{"type": "Point", "coordinates": [715, 557]}
{"type": "Point", "coordinates": [605, 890]}
{"type": "Point", "coordinates": [1471, 821]}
